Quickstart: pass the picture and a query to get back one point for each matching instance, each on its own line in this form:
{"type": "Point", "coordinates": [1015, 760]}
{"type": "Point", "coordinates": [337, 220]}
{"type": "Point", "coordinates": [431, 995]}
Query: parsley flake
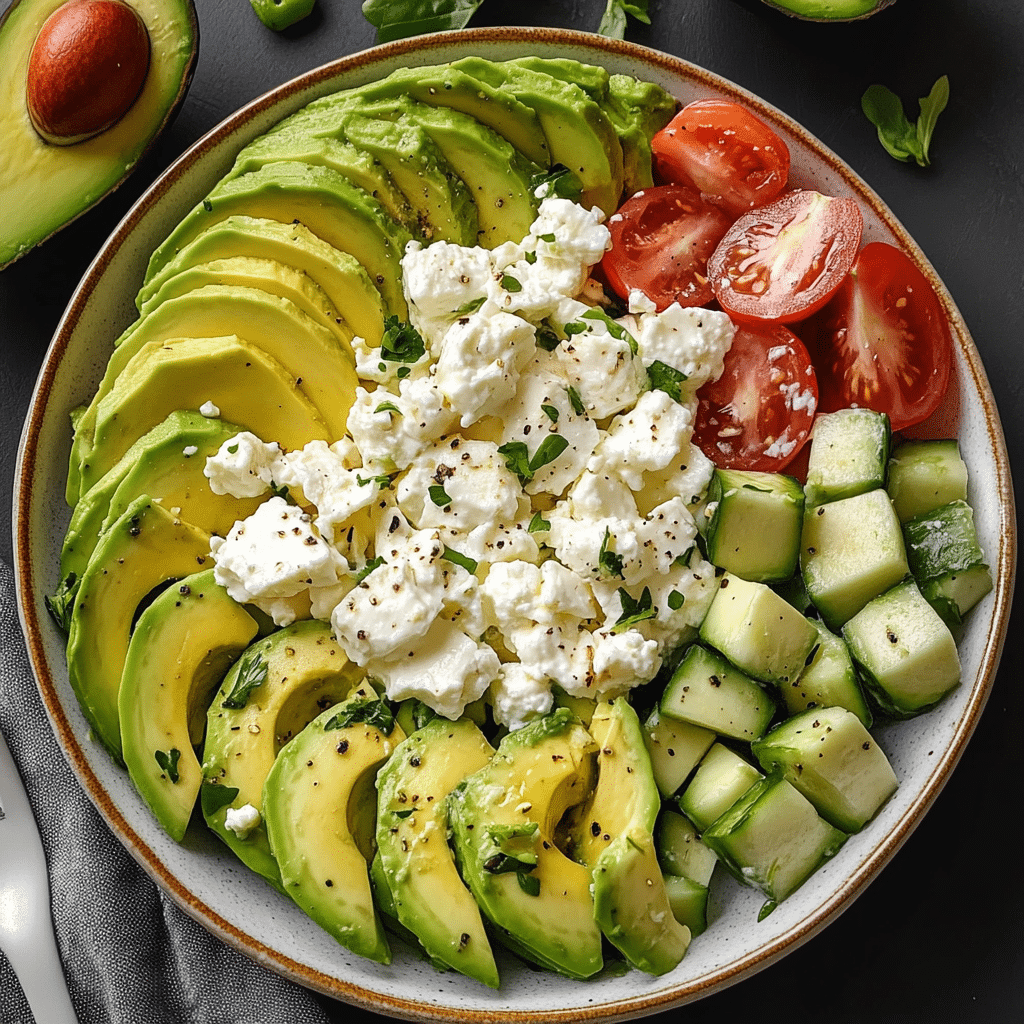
{"type": "Point", "coordinates": [401, 342]}
{"type": "Point", "coordinates": [551, 412]}
{"type": "Point", "coordinates": [634, 611]}
{"type": "Point", "coordinates": [168, 762]}
{"type": "Point", "coordinates": [608, 561]}
{"type": "Point", "coordinates": [438, 495]}
{"type": "Point", "coordinates": [666, 378]}
{"type": "Point", "coordinates": [251, 672]}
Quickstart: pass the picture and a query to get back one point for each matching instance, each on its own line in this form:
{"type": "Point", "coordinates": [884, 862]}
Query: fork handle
{"type": "Point", "coordinates": [38, 967]}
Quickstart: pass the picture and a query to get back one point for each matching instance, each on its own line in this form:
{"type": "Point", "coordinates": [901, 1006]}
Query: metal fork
{"type": "Point", "coordinates": [26, 928]}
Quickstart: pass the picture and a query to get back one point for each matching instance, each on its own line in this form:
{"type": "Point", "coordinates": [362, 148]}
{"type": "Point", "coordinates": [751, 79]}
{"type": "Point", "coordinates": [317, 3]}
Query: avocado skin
{"type": "Point", "coordinates": [44, 187]}
{"type": "Point", "coordinates": [829, 10]}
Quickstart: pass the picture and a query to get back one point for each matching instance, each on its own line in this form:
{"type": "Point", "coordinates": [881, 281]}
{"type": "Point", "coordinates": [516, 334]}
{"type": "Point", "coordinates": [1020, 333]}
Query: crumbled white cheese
{"type": "Point", "coordinates": [209, 410]}
{"type": "Point", "coordinates": [189, 450]}
{"type": "Point", "coordinates": [243, 466]}
{"type": "Point", "coordinates": [692, 340]}
{"type": "Point", "coordinates": [242, 820]}
{"type": "Point", "coordinates": [518, 697]}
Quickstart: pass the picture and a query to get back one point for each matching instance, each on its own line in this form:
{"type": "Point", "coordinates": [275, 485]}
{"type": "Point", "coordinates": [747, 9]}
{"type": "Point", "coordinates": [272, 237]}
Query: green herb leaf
{"type": "Point", "coordinates": [614, 21]}
{"type": "Point", "coordinates": [675, 600]}
{"type": "Point", "coordinates": [513, 846]}
{"type": "Point", "coordinates": [575, 401]}
{"type": "Point", "coordinates": [213, 798]}
{"type": "Point", "coordinates": [510, 283]}
{"type": "Point", "coordinates": [251, 672]}
{"type": "Point", "coordinates": [517, 459]}
{"type": "Point", "coordinates": [666, 378]}
{"type": "Point", "coordinates": [551, 412]}
{"type": "Point", "coordinates": [61, 605]}
{"type": "Point", "coordinates": [548, 236]}
{"type": "Point", "coordinates": [634, 611]}
{"type": "Point", "coordinates": [388, 407]}
{"type": "Point", "coordinates": [608, 561]}
{"type": "Point", "coordinates": [381, 481]}
{"type": "Point", "coordinates": [574, 328]}
{"type": "Point", "coordinates": [471, 307]}
{"type": "Point", "coordinates": [457, 558]}
{"type": "Point", "coordinates": [399, 19]}
{"type": "Point", "coordinates": [232, 449]}
{"type": "Point", "coordinates": [374, 563]}
{"type": "Point", "coordinates": [547, 339]}
{"type": "Point", "coordinates": [373, 711]}
{"type": "Point", "coordinates": [615, 329]}
{"type": "Point", "coordinates": [900, 138]}
{"type": "Point", "coordinates": [531, 258]}
{"type": "Point", "coordinates": [550, 448]}
{"type": "Point", "coordinates": [422, 713]}
{"type": "Point", "coordinates": [404, 813]}
{"type": "Point", "coordinates": [401, 342]}
{"type": "Point", "coordinates": [538, 524]}
{"type": "Point", "coordinates": [530, 884]}
{"type": "Point", "coordinates": [558, 182]}
{"type": "Point", "coordinates": [438, 495]}
{"type": "Point", "coordinates": [168, 762]}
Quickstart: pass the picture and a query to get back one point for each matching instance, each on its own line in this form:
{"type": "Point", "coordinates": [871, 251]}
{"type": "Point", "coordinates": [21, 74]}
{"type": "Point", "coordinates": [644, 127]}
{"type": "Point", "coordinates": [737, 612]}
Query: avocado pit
{"type": "Point", "coordinates": [86, 69]}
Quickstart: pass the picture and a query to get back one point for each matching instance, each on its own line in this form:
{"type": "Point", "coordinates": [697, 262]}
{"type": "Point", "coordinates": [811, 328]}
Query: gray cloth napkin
{"type": "Point", "coordinates": [130, 955]}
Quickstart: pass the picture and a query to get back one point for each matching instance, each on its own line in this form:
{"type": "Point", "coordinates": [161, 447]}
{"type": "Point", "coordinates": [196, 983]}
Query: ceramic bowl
{"type": "Point", "coordinates": [202, 876]}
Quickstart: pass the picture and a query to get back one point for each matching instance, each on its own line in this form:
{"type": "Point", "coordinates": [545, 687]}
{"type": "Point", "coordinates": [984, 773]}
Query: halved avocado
{"type": "Point", "coordinates": [280, 685]}
{"type": "Point", "coordinates": [342, 277]}
{"type": "Point", "coordinates": [326, 202]}
{"type": "Point", "coordinates": [429, 897]}
{"type": "Point", "coordinates": [42, 186]}
{"type": "Point", "coordinates": [156, 465]}
{"type": "Point", "coordinates": [829, 10]}
{"type": "Point", "coordinates": [315, 801]}
{"type": "Point", "coordinates": [249, 387]}
{"type": "Point", "coordinates": [180, 650]}
{"type": "Point", "coordinates": [145, 548]}
{"type": "Point", "coordinates": [504, 819]}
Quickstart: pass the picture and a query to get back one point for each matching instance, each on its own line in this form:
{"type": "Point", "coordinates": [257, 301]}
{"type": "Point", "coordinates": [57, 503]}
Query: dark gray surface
{"type": "Point", "coordinates": [939, 937]}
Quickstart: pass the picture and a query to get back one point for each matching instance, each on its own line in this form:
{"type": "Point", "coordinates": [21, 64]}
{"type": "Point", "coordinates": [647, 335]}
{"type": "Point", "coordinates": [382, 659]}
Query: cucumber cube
{"type": "Point", "coordinates": [689, 902]}
{"type": "Point", "coordinates": [773, 839]}
{"type": "Point", "coordinates": [906, 653]}
{"type": "Point", "coordinates": [675, 749]}
{"type": "Point", "coordinates": [852, 551]}
{"type": "Point", "coordinates": [722, 778]}
{"type": "Point", "coordinates": [924, 475]}
{"type": "Point", "coordinates": [758, 631]}
{"type": "Point", "coordinates": [754, 529]}
{"type": "Point", "coordinates": [680, 850]}
{"type": "Point", "coordinates": [828, 755]}
{"type": "Point", "coordinates": [706, 691]}
{"type": "Point", "coordinates": [946, 560]}
{"type": "Point", "coordinates": [830, 680]}
{"type": "Point", "coordinates": [848, 456]}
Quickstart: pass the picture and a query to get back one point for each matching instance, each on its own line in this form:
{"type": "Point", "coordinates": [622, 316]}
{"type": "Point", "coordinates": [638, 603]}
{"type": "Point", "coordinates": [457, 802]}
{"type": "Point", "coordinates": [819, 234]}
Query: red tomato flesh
{"type": "Point", "coordinates": [726, 152]}
{"type": "Point", "coordinates": [661, 240]}
{"type": "Point", "coordinates": [883, 342]}
{"type": "Point", "coordinates": [785, 261]}
{"type": "Point", "coordinates": [759, 413]}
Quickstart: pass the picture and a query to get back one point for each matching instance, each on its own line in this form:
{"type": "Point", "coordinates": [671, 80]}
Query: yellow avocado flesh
{"type": "Point", "coordinates": [156, 465]}
{"type": "Point", "coordinates": [307, 802]}
{"type": "Point", "coordinates": [250, 388]}
{"type": "Point", "coordinates": [180, 650]}
{"type": "Point", "coordinates": [146, 547]}
{"type": "Point", "coordinates": [342, 277]}
{"type": "Point", "coordinates": [42, 186]}
{"type": "Point", "coordinates": [429, 897]}
{"type": "Point", "coordinates": [306, 672]}
{"type": "Point", "coordinates": [537, 774]}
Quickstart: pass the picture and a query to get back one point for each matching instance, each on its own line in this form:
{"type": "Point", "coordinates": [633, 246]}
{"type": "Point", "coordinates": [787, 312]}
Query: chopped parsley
{"type": "Point", "coordinates": [250, 673]}
{"type": "Point", "coordinates": [675, 600]}
{"type": "Point", "coordinates": [551, 412]}
{"type": "Point", "coordinates": [538, 524]}
{"type": "Point", "coordinates": [666, 378]}
{"type": "Point", "coordinates": [373, 711]}
{"type": "Point", "coordinates": [438, 495]}
{"type": "Point", "coordinates": [634, 611]}
{"type": "Point", "coordinates": [168, 762]}
{"type": "Point", "coordinates": [574, 400]}
{"type": "Point", "coordinates": [61, 605]}
{"type": "Point", "coordinates": [510, 283]}
{"type": "Point", "coordinates": [457, 558]}
{"type": "Point", "coordinates": [401, 342]}
{"type": "Point", "coordinates": [518, 460]}
{"type": "Point", "coordinates": [388, 407]}
{"type": "Point", "coordinates": [608, 561]}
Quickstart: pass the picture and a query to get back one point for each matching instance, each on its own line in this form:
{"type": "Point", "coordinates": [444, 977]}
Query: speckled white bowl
{"type": "Point", "coordinates": [204, 878]}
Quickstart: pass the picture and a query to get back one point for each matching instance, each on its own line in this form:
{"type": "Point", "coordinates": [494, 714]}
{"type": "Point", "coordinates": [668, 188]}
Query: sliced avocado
{"type": "Point", "coordinates": [145, 548]}
{"type": "Point", "coordinates": [447, 86]}
{"type": "Point", "coordinates": [267, 275]}
{"type": "Point", "coordinates": [412, 821]}
{"type": "Point", "coordinates": [156, 465]}
{"type": "Point", "coordinates": [616, 841]}
{"type": "Point", "coordinates": [319, 786]}
{"type": "Point", "coordinates": [281, 683]}
{"type": "Point", "coordinates": [579, 134]}
{"type": "Point", "coordinates": [42, 186]}
{"type": "Point", "coordinates": [249, 387]}
{"type": "Point", "coordinates": [180, 650]}
{"type": "Point", "coordinates": [359, 166]}
{"type": "Point", "coordinates": [342, 277]}
{"type": "Point", "coordinates": [326, 202]}
{"type": "Point", "coordinates": [504, 819]}
{"type": "Point", "coordinates": [829, 10]}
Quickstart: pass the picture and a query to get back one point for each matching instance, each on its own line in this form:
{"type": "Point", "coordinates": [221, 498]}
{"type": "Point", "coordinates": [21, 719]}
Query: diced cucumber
{"type": "Point", "coordinates": [754, 529]}
{"type": "Point", "coordinates": [773, 839]}
{"type": "Point", "coordinates": [830, 680]}
{"type": "Point", "coordinates": [848, 456]}
{"type": "Point", "coordinates": [924, 475]}
{"type": "Point", "coordinates": [689, 902]}
{"type": "Point", "coordinates": [706, 691]}
{"type": "Point", "coordinates": [675, 749]}
{"type": "Point", "coordinates": [906, 653]}
{"type": "Point", "coordinates": [720, 780]}
{"type": "Point", "coordinates": [680, 850]}
{"type": "Point", "coordinates": [758, 631]}
{"type": "Point", "coordinates": [851, 551]}
{"type": "Point", "coordinates": [828, 755]}
{"type": "Point", "coordinates": [793, 592]}
{"type": "Point", "coordinates": [946, 560]}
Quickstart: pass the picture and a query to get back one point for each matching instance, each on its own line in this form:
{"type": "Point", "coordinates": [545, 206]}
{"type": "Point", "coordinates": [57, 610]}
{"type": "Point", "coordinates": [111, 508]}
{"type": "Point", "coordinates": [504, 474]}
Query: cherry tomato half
{"type": "Point", "coordinates": [661, 240]}
{"type": "Point", "coordinates": [785, 260]}
{"type": "Point", "coordinates": [883, 342]}
{"type": "Point", "coordinates": [759, 413]}
{"type": "Point", "coordinates": [726, 152]}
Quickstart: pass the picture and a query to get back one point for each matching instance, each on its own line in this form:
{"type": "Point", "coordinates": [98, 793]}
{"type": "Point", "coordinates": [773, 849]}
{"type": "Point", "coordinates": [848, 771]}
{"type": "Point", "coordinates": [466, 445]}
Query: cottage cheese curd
{"type": "Point", "coordinates": [516, 482]}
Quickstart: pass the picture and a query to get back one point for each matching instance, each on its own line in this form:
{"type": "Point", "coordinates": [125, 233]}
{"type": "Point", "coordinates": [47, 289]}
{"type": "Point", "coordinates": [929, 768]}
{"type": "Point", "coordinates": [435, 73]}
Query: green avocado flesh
{"type": "Point", "coordinates": [829, 10]}
{"type": "Point", "coordinates": [253, 303]}
{"type": "Point", "coordinates": [43, 186]}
